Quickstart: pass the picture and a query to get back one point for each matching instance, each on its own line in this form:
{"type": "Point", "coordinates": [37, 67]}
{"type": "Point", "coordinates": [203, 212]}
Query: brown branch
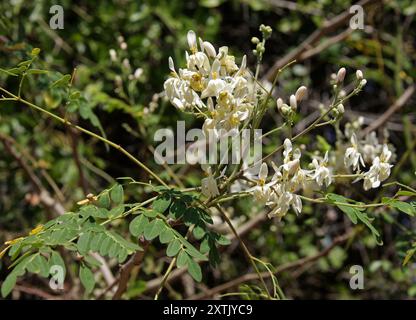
{"type": "Point", "coordinates": [127, 268]}
{"type": "Point", "coordinates": [291, 265]}
{"type": "Point", "coordinates": [391, 110]}
{"type": "Point", "coordinates": [36, 292]}
{"type": "Point", "coordinates": [309, 42]}
{"type": "Point", "coordinates": [45, 198]}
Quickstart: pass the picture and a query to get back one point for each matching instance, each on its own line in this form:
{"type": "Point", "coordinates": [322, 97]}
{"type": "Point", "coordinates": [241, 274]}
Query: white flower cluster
{"type": "Point", "coordinates": [367, 151]}
{"type": "Point", "coordinates": [213, 84]}
{"type": "Point", "coordinates": [280, 193]}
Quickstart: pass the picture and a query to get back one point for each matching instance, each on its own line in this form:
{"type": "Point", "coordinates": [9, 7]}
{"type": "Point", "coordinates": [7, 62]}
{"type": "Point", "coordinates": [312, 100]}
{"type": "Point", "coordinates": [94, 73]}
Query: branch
{"type": "Point", "coordinates": [328, 27]}
{"type": "Point", "coordinates": [391, 110]}
{"type": "Point", "coordinates": [291, 265]}
{"type": "Point", "coordinates": [127, 268]}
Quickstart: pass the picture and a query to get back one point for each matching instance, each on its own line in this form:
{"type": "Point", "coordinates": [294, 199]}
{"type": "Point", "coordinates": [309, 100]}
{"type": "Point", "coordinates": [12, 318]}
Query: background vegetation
{"type": "Point", "coordinates": [314, 251]}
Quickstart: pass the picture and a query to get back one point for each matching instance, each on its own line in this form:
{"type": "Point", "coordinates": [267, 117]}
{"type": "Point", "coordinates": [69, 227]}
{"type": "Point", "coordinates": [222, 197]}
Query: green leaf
{"type": "Point", "coordinates": [96, 242]}
{"type": "Point", "coordinates": [8, 285]}
{"type": "Point", "coordinates": [87, 278]}
{"type": "Point", "coordinates": [223, 240]}
{"type": "Point", "coordinates": [162, 202]}
{"type": "Point", "coordinates": [177, 209]}
{"type": "Point", "coordinates": [104, 200]}
{"type": "Point", "coordinates": [402, 206]}
{"type": "Point", "coordinates": [92, 261]}
{"type": "Point", "coordinates": [198, 232]}
{"type": "Point", "coordinates": [194, 270]}
{"type": "Point", "coordinates": [39, 265]}
{"type": "Point", "coordinates": [182, 259]}
{"type": "Point", "coordinates": [173, 248]}
{"type": "Point", "coordinates": [150, 213]}
{"type": "Point", "coordinates": [189, 247]}
{"type": "Point", "coordinates": [37, 71]}
{"type": "Point", "coordinates": [137, 225]}
{"type": "Point", "coordinates": [62, 82]}
{"type": "Point", "coordinates": [115, 212]}
{"type": "Point", "coordinates": [122, 255]}
{"type": "Point", "coordinates": [350, 211]}
{"type": "Point", "coordinates": [105, 245]}
{"type": "Point", "coordinates": [56, 260]}
{"type": "Point", "coordinates": [153, 229]}
{"type": "Point", "coordinates": [117, 194]}
{"type": "Point", "coordinates": [9, 72]}
{"type": "Point", "coordinates": [405, 193]}
{"type": "Point", "coordinates": [191, 216]}
{"type": "Point", "coordinates": [114, 249]}
{"type": "Point", "coordinates": [83, 242]}
{"type": "Point", "coordinates": [166, 236]}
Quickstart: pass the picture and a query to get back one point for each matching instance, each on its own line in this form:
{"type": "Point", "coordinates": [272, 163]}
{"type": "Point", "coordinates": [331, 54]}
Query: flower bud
{"type": "Point", "coordinates": [279, 103]}
{"type": "Point", "coordinates": [340, 108]}
{"type": "Point", "coordinates": [113, 54]}
{"type": "Point", "coordinates": [255, 40]}
{"type": "Point", "coordinates": [123, 45]}
{"type": "Point", "coordinates": [300, 93]}
{"type": "Point", "coordinates": [266, 31]}
{"type": "Point", "coordinates": [359, 74]}
{"type": "Point", "coordinates": [363, 82]}
{"type": "Point", "coordinates": [341, 75]}
{"type": "Point", "coordinates": [191, 37]}
{"type": "Point", "coordinates": [138, 73]}
{"type": "Point", "coordinates": [286, 110]}
{"type": "Point", "coordinates": [209, 48]}
{"type": "Point", "coordinates": [293, 102]}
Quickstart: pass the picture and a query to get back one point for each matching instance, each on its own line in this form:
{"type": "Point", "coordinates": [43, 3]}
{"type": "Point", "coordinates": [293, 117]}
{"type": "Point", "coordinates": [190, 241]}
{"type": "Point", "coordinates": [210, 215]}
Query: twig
{"type": "Point", "coordinates": [127, 268]}
{"type": "Point", "coordinates": [328, 27]}
{"type": "Point", "coordinates": [391, 110]}
{"type": "Point", "coordinates": [291, 265]}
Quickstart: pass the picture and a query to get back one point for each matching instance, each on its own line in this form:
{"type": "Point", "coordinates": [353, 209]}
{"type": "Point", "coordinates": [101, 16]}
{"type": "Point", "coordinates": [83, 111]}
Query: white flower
{"type": "Point", "coordinates": [352, 156]}
{"type": "Point", "coordinates": [322, 174]}
{"type": "Point", "coordinates": [191, 37]}
{"type": "Point", "coordinates": [287, 145]}
{"type": "Point", "coordinates": [215, 84]}
{"type": "Point", "coordinates": [282, 201]}
{"type": "Point", "coordinates": [209, 49]}
{"type": "Point", "coordinates": [262, 191]}
{"type": "Point", "coordinates": [379, 171]}
{"type": "Point", "coordinates": [198, 62]}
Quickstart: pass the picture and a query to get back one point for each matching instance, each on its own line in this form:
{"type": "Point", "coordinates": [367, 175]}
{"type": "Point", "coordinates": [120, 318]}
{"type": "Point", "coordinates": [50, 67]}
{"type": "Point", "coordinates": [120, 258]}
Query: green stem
{"type": "Point", "coordinates": [245, 249]}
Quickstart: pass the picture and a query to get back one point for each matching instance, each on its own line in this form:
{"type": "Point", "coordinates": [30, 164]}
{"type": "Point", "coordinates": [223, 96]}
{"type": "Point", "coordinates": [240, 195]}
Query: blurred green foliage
{"type": "Point", "coordinates": [105, 97]}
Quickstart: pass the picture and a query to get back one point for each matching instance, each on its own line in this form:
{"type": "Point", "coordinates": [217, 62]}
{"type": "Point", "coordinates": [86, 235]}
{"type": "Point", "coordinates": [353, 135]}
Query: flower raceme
{"type": "Point", "coordinates": [227, 96]}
